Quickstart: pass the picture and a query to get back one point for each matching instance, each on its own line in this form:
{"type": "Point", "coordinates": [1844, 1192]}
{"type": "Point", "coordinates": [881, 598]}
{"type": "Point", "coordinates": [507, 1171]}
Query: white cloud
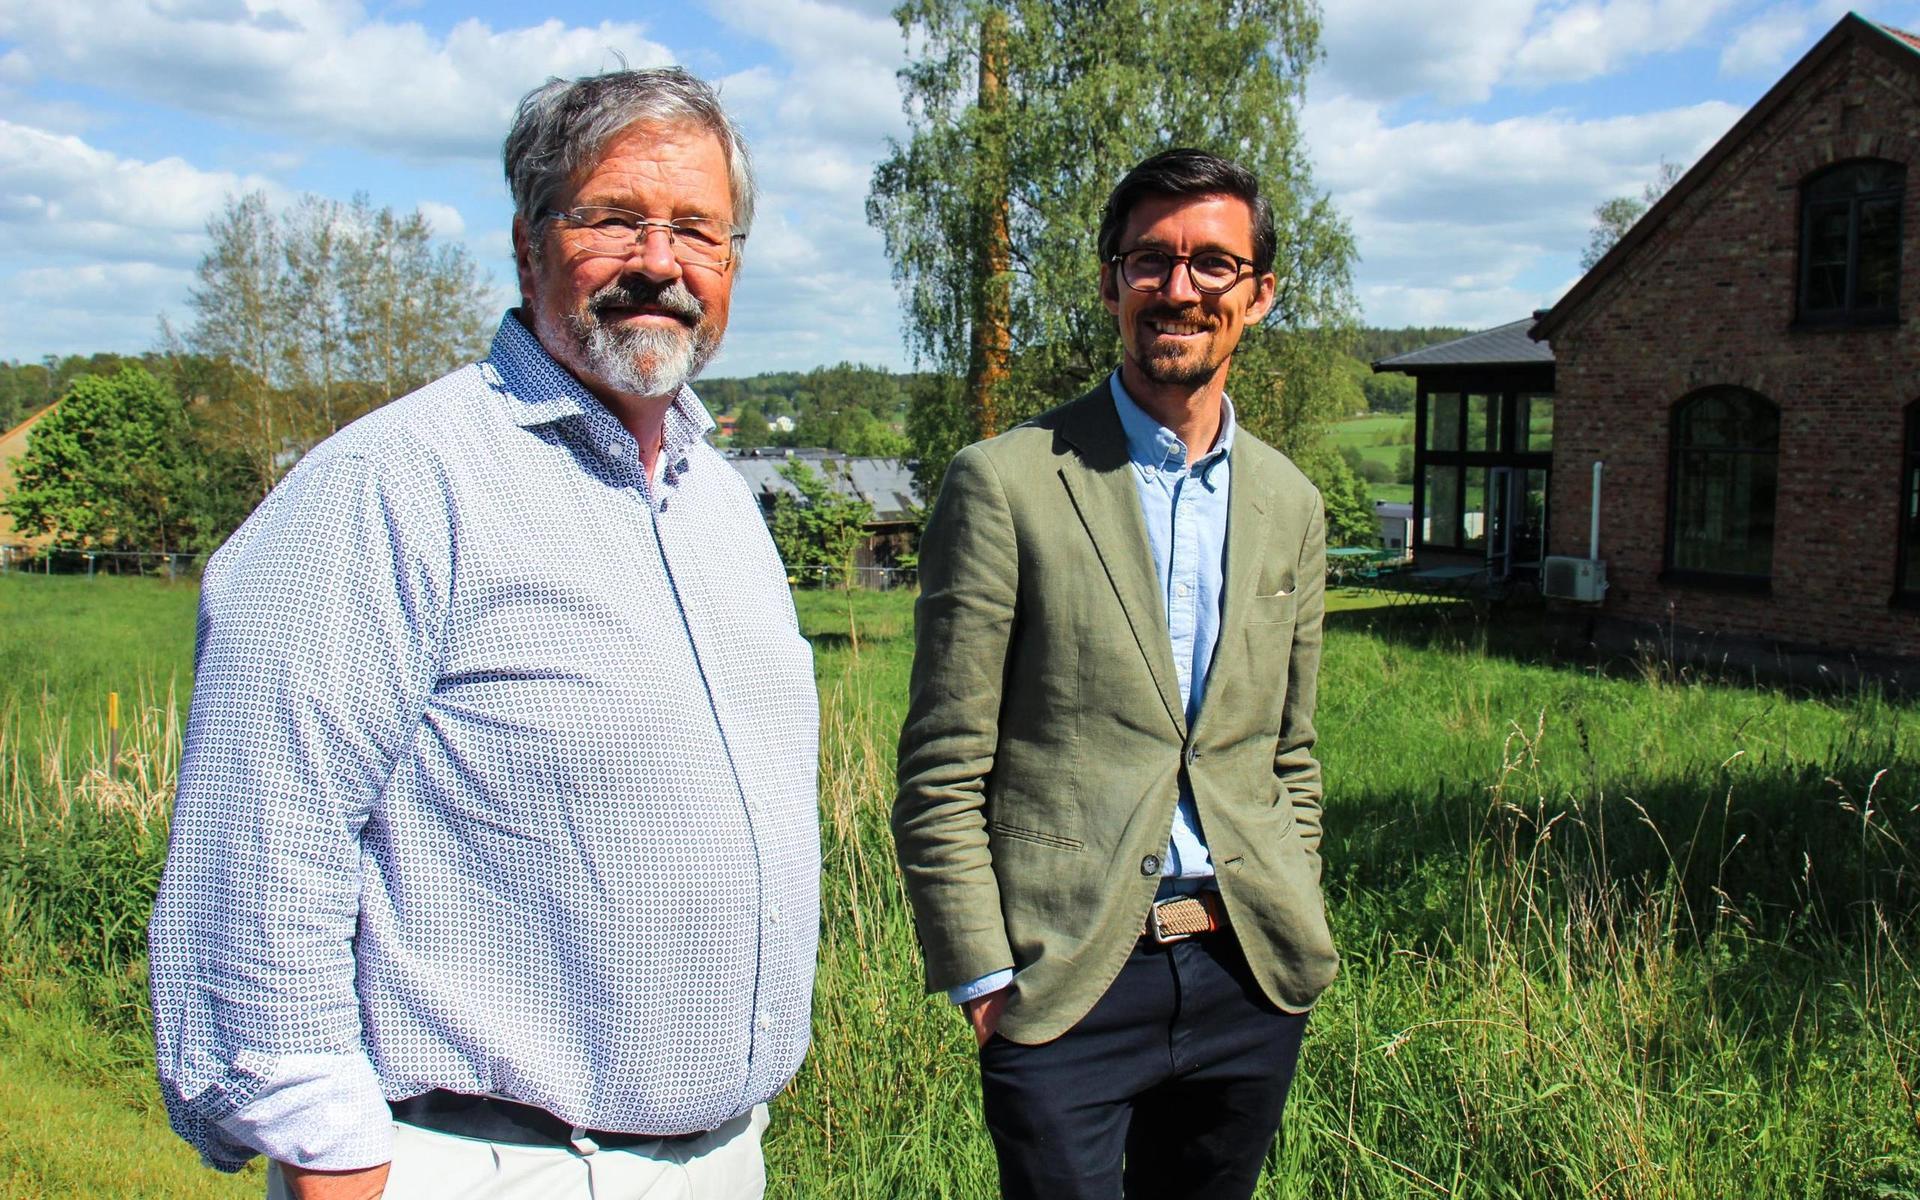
{"type": "Point", "coordinates": [15, 68]}
{"type": "Point", "coordinates": [1389, 49]}
{"type": "Point", "coordinates": [816, 286]}
{"type": "Point", "coordinates": [1767, 44]}
{"type": "Point", "coordinates": [1584, 40]}
{"type": "Point", "coordinates": [319, 67]}
{"type": "Point", "coordinates": [445, 219]}
{"type": "Point", "coordinates": [57, 193]}
{"type": "Point", "coordinates": [1458, 53]}
{"type": "Point", "coordinates": [82, 309]}
{"type": "Point", "coordinates": [1481, 215]}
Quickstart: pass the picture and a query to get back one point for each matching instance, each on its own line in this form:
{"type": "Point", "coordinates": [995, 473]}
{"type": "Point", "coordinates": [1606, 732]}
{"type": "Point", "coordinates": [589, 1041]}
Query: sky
{"type": "Point", "coordinates": [1466, 143]}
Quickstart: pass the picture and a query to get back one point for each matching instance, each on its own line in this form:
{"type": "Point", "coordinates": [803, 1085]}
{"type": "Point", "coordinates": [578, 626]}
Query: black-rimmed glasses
{"type": "Point", "coordinates": [1212, 271]}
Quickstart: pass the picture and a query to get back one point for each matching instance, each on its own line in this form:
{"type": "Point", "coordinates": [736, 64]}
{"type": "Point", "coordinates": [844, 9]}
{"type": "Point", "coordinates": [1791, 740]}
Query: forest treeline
{"type": "Point", "coordinates": [169, 450]}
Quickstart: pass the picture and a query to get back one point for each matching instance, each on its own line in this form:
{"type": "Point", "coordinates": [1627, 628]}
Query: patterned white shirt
{"type": "Point", "coordinates": [499, 777]}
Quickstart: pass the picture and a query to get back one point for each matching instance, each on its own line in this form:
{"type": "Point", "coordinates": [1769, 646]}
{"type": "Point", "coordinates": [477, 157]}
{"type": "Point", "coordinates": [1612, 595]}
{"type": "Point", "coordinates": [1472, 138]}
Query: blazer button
{"type": "Point", "coordinates": [1150, 865]}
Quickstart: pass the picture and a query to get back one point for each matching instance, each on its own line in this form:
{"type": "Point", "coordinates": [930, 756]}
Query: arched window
{"type": "Point", "coordinates": [1850, 244]}
{"type": "Point", "coordinates": [1725, 467]}
{"type": "Point", "coordinates": [1907, 577]}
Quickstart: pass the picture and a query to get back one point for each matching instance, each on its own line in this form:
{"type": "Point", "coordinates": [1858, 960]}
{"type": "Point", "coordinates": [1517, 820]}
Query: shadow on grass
{"type": "Point", "coordinates": [1525, 632]}
{"type": "Point", "coordinates": [1792, 856]}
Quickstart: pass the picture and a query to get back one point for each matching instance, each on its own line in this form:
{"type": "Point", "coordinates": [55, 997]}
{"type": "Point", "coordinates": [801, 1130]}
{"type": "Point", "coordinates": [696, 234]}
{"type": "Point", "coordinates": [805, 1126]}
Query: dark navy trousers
{"type": "Point", "coordinates": [1170, 1088]}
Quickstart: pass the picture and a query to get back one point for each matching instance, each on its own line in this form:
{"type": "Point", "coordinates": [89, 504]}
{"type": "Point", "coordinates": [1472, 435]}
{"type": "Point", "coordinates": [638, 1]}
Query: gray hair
{"type": "Point", "coordinates": [564, 124]}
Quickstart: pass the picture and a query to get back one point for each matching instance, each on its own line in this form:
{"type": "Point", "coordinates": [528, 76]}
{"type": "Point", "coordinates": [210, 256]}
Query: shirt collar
{"type": "Point", "coordinates": [539, 391]}
{"type": "Point", "coordinates": [1152, 445]}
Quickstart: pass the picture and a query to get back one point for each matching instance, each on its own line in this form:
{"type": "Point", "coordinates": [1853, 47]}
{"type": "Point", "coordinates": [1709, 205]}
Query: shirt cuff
{"type": "Point", "coordinates": [964, 992]}
{"type": "Point", "coordinates": [324, 1111]}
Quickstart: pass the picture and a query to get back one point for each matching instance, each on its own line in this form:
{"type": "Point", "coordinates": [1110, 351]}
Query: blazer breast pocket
{"type": "Point", "coordinates": [1275, 601]}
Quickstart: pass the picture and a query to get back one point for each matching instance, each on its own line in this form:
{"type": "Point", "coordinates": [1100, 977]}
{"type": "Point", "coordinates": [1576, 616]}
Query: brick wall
{"type": "Point", "coordinates": [1709, 299]}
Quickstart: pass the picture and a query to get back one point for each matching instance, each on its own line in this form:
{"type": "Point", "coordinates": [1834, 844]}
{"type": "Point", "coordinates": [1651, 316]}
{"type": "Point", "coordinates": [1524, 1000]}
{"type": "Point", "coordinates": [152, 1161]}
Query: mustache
{"type": "Point", "coordinates": [1171, 312]}
{"type": "Point", "coordinates": [671, 297]}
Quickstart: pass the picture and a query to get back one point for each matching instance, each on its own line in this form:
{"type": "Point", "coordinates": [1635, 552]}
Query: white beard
{"type": "Point", "coordinates": [644, 361]}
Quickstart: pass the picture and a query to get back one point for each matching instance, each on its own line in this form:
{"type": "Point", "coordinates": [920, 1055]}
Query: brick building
{"type": "Point", "coordinates": [1746, 364]}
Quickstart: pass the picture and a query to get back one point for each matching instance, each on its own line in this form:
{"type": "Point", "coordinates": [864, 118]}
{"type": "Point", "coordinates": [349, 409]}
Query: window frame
{"type": "Point", "coordinates": [1848, 314]}
{"type": "Point", "coordinates": [1503, 402]}
{"type": "Point", "coordinates": [1907, 522]}
{"type": "Point", "coordinates": [1722, 580]}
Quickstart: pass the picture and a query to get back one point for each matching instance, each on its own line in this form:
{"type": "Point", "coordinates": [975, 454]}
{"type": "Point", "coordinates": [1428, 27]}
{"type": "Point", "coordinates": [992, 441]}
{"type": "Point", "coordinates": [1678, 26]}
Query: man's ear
{"type": "Point", "coordinates": [1109, 288]}
{"type": "Point", "coordinates": [523, 259]}
{"type": "Point", "coordinates": [1265, 290]}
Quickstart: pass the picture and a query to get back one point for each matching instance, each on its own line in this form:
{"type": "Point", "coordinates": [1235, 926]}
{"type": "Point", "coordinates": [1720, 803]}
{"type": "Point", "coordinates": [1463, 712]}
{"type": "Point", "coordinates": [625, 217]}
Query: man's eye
{"type": "Point", "coordinates": [700, 231]}
{"type": "Point", "coordinates": [1215, 264]}
{"type": "Point", "coordinates": [612, 224]}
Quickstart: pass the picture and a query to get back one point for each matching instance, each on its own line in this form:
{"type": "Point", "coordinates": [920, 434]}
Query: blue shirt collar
{"type": "Point", "coordinates": [539, 391]}
{"type": "Point", "coordinates": [1152, 445]}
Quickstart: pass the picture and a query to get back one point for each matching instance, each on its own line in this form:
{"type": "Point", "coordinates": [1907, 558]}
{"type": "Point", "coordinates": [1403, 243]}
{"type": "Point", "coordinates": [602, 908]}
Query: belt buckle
{"type": "Point", "coordinates": [1185, 923]}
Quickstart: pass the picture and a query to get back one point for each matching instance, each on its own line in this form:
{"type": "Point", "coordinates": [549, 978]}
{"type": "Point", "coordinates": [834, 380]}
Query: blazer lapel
{"type": "Point", "coordinates": [1101, 486]}
{"type": "Point", "coordinates": [1248, 504]}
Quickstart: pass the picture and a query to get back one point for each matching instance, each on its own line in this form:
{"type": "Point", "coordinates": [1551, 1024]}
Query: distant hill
{"type": "Point", "coordinates": [1376, 344]}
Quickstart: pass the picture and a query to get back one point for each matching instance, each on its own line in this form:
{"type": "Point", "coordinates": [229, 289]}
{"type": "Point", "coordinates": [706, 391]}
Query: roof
{"type": "Point", "coordinates": [1899, 45]}
{"type": "Point", "coordinates": [1501, 345]}
{"type": "Point", "coordinates": [884, 483]}
{"type": "Point", "coordinates": [13, 444]}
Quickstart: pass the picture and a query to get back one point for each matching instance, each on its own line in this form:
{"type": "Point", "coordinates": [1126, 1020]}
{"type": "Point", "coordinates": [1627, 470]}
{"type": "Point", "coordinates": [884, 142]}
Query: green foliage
{"type": "Point", "coordinates": [26, 388]}
{"type": "Point", "coordinates": [1608, 931]}
{"type": "Point", "coordinates": [1089, 91]}
{"type": "Point", "coordinates": [111, 468]}
{"type": "Point", "coordinates": [1614, 217]}
{"type": "Point", "coordinates": [750, 428]}
{"type": "Point", "coordinates": [820, 528]}
{"type": "Point", "coordinates": [381, 310]}
{"type": "Point", "coordinates": [849, 408]}
{"type": "Point", "coordinates": [1374, 345]}
{"type": "Point", "coordinates": [1389, 391]}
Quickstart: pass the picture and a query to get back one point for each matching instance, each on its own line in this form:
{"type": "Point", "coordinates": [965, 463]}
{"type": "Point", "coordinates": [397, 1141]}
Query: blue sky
{"type": "Point", "coordinates": [1467, 143]}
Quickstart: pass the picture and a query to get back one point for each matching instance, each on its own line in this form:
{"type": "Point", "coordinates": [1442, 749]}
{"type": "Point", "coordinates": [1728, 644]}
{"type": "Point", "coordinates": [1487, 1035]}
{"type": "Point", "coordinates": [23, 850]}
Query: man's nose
{"type": "Point", "coordinates": [655, 258]}
{"type": "Point", "coordinates": [1179, 286]}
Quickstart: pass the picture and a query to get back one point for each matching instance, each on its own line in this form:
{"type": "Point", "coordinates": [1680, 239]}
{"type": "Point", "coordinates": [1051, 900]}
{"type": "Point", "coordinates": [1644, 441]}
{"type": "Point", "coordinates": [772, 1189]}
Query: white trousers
{"type": "Point", "coordinates": [722, 1165]}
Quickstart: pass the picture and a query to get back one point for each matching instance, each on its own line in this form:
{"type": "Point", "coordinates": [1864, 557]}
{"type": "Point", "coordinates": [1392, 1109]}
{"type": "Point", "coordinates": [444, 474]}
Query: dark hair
{"type": "Point", "coordinates": [1186, 172]}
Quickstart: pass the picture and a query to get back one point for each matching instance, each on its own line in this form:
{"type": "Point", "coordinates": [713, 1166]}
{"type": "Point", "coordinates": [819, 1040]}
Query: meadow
{"type": "Point", "coordinates": [1378, 437]}
{"type": "Point", "coordinates": [1609, 930]}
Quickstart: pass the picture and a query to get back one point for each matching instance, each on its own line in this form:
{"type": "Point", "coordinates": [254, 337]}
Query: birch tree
{"type": "Point", "coordinates": [1023, 115]}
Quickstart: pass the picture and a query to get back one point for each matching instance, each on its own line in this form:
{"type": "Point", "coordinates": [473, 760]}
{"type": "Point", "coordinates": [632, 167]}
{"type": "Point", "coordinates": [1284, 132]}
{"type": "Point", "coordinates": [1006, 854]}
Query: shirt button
{"type": "Point", "coordinates": [773, 916]}
{"type": "Point", "coordinates": [1150, 865]}
{"type": "Point", "coordinates": [1184, 589]}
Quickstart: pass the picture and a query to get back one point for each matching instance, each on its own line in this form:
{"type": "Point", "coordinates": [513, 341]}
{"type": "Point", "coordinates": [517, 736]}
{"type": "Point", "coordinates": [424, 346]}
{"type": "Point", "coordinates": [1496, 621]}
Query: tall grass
{"type": "Point", "coordinates": [1616, 934]}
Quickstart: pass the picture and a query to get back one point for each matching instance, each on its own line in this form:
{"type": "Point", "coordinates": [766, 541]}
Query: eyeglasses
{"type": "Point", "coordinates": [1212, 271]}
{"type": "Point", "coordinates": [696, 241]}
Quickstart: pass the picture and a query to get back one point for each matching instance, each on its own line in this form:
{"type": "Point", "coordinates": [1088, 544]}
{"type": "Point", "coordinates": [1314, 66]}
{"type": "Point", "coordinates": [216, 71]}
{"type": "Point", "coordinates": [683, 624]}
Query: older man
{"type": "Point", "coordinates": [1109, 808]}
{"type": "Point", "coordinates": [495, 861]}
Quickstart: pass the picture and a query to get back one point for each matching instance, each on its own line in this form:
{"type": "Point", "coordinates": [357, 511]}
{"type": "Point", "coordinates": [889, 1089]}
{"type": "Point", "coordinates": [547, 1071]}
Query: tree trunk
{"type": "Point", "coordinates": [987, 364]}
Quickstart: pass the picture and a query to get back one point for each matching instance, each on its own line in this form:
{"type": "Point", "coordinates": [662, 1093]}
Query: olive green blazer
{"type": "Point", "coordinates": [1041, 756]}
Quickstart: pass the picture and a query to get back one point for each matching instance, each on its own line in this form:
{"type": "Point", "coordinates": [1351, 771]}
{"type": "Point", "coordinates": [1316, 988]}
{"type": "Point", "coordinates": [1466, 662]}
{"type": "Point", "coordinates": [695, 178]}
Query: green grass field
{"type": "Point", "coordinates": [1606, 933]}
{"type": "Point", "coordinates": [1379, 437]}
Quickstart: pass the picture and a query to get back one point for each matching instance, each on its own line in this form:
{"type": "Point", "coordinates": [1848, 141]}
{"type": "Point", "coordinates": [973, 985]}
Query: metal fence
{"type": "Point", "coordinates": [70, 560]}
{"type": "Point", "coordinates": [877, 578]}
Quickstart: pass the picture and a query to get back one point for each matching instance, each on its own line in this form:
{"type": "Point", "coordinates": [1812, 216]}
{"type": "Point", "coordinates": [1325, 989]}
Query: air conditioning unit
{"type": "Point", "coordinates": [1567, 578]}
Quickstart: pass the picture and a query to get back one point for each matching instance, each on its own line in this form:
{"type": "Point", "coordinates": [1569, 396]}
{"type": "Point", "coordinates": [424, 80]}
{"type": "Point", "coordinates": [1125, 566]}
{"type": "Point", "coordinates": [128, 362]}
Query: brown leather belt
{"type": "Point", "coordinates": [1178, 918]}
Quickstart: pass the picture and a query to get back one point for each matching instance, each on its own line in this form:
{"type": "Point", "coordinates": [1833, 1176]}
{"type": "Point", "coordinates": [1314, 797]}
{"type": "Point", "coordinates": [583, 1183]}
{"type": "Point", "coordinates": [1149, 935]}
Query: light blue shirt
{"type": "Point", "coordinates": [499, 777]}
{"type": "Point", "coordinates": [1185, 507]}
